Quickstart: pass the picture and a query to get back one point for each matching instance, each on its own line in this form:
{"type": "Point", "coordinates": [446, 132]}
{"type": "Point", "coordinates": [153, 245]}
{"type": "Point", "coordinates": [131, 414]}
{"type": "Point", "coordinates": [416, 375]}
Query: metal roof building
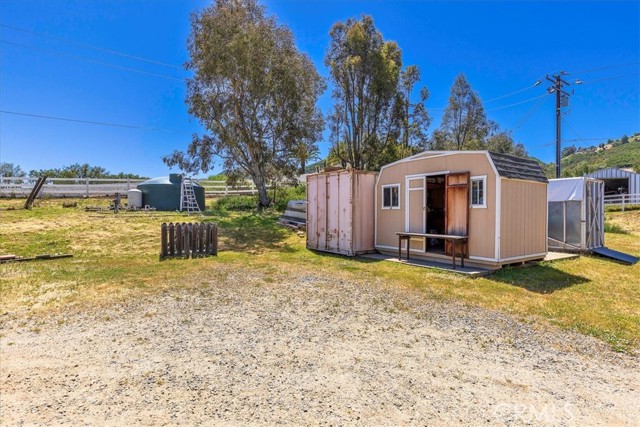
{"type": "Point", "coordinates": [616, 179]}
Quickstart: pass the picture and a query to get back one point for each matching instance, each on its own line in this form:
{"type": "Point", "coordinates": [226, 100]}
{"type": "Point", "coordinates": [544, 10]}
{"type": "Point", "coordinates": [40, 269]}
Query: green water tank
{"type": "Point", "coordinates": [163, 193]}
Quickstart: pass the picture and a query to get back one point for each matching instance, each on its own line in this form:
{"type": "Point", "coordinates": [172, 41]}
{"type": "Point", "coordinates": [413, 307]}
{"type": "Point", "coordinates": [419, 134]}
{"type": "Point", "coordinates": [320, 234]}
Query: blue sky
{"type": "Point", "coordinates": [501, 46]}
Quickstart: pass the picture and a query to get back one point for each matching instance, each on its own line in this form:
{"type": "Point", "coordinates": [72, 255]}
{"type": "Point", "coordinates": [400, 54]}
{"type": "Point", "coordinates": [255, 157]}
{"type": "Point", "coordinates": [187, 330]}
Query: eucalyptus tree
{"type": "Point", "coordinates": [372, 115]}
{"type": "Point", "coordinates": [464, 123]}
{"type": "Point", "coordinates": [253, 91]}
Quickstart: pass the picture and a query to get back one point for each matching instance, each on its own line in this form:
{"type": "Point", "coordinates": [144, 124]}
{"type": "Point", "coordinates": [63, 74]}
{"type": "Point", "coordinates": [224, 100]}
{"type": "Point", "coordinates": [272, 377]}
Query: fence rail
{"type": "Point", "coordinates": [187, 240]}
{"type": "Point", "coordinates": [66, 187]}
{"type": "Point", "coordinates": [622, 199]}
{"type": "Point", "coordinates": [85, 187]}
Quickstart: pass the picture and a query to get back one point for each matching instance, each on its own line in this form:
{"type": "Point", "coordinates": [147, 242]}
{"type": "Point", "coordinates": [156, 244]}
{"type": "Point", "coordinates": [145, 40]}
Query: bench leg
{"type": "Point", "coordinates": [464, 252]}
{"type": "Point", "coordinates": [453, 253]}
{"type": "Point", "coordinates": [399, 248]}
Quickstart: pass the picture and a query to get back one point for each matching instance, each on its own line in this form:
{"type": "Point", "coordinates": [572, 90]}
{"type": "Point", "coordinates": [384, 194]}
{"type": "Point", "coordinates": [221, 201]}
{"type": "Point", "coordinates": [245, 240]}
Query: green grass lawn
{"type": "Point", "coordinates": [116, 258]}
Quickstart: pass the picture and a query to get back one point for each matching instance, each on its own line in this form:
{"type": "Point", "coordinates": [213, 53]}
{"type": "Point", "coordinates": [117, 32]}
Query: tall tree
{"type": "Point", "coordinates": [464, 123]}
{"type": "Point", "coordinates": [253, 91]}
{"type": "Point", "coordinates": [414, 117]}
{"type": "Point", "coordinates": [372, 112]}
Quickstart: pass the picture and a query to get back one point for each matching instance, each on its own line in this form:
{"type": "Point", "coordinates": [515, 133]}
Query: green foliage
{"type": "Point", "coordinates": [219, 177]}
{"type": "Point", "coordinates": [372, 107]}
{"type": "Point", "coordinates": [587, 160]}
{"type": "Point", "coordinates": [85, 170]}
{"type": "Point", "coordinates": [465, 125]}
{"type": "Point", "coordinates": [235, 203]}
{"type": "Point", "coordinates": [9, 169]}
{"type": "Point", "coordinates": [614, 228]}
{"type": "Point", "coordinates": [253, 91]}
{"type": "Point", "coordinates": [284, 194]}
{"type": "Point", "coordinates": [280, 196]}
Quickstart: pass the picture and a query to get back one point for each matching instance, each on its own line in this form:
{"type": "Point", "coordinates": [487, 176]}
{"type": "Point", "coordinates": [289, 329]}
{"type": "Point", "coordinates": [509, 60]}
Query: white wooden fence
{"type": "Point", "coordinates": [86, 187]}
{"type": "Point", "coordinates": [622, 199]}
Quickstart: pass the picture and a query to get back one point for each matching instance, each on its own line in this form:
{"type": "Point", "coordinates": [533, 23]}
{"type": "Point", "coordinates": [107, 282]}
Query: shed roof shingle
{"type": "Point", "coordinates": [517, 167]}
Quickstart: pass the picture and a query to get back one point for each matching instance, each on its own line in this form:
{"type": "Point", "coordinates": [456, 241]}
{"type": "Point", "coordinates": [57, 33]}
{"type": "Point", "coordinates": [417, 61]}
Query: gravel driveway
{"type": "Point", "coordinates": [306, 351]}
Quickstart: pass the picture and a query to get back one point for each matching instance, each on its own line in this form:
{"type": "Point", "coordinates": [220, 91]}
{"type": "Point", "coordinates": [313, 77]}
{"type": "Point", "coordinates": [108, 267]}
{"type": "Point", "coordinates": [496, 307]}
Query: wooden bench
{"type": "Point", "coordinates": [449, 237]}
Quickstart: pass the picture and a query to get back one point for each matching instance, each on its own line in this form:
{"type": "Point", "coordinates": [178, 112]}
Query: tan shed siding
{"type": "Point", "coordinates": [364, 209]}
{"type": "Point", "coordinates": [481, 220]}
{"type": "Point", "coordinates": [523, 218]}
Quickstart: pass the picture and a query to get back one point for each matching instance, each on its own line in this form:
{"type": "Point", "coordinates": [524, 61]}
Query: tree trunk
{"type": "Point", "coordinates": [261, 186]}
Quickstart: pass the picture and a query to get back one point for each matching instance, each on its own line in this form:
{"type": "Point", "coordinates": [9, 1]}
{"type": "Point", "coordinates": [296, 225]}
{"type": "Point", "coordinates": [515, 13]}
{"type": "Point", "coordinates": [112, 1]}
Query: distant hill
{"type": "Point", "coordinates": [620, 153]}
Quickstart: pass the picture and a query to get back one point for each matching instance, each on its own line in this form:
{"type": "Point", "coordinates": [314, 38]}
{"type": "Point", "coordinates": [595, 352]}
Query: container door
{"type": "Point", "coordinates": [594, 200]}
{"type": "Point", "coordinates": [312, 212]}
{"type": "Point", "coordinates": [333, 211]}
{"type": "Point", "coordinates": [457, 206]}
{"type": "Point", "coordinates": [416, 210]}
{"type": "Point", "coordinates": [345, 212]}
{"type": "Point", "coordinates": [321, 211]}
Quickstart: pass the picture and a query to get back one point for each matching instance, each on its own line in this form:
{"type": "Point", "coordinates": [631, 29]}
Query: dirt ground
{"type": "Point", "coordinates": [306, 351]}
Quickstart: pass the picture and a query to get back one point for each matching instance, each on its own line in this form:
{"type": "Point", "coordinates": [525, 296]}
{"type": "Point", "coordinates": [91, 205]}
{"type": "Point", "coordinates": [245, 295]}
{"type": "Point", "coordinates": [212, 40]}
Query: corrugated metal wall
{"type": "Point", "coordinates": [340, 212]}
{"type": "Point", "coordinates": [613, 173]}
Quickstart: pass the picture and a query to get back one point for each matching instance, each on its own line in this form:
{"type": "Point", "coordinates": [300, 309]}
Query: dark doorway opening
{"type": "Point", "coordinates": [616, 186]}
{"type": "Point", "coordinates": [435, 211]}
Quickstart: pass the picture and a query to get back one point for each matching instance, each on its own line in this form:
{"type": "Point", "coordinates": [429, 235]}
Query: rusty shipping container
{"type": "Point", "coordinates": [341, 212]}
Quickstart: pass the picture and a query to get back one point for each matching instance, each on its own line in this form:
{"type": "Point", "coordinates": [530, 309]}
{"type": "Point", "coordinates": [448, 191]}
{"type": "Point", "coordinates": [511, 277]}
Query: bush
{"type": "Point", "coordinates": [247, 203]}
{"type": "Point", "coordinates": [614, 228]}
{"type": "Point", "coordinates": [284, 194]}
{"type": "Point", "coordinates": [236, 203]}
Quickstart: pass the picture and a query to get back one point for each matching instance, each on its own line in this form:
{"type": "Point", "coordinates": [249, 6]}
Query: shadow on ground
{"type": "Point", "coordinates": [249, 233]}
{"type": "Point", "coordinates": [541, 278]}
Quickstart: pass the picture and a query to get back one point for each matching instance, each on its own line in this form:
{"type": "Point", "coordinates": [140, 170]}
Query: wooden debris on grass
{"type": "Point", "coordinates": [14, 258]}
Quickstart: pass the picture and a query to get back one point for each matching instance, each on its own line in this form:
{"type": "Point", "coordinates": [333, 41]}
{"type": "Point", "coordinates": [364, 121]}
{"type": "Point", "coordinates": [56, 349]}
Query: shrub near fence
{"type": "Point", "coordinates": [187, 240]}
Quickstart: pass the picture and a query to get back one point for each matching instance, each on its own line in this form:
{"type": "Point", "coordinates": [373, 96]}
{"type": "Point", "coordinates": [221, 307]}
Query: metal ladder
{"type": "Point", "coordinates": [188, 201]}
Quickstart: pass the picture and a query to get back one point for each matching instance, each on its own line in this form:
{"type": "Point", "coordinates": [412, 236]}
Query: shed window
{"type": "Point", "coordinates": [391, 196]}
{"type": "Point", "coordinates": [478, 191]}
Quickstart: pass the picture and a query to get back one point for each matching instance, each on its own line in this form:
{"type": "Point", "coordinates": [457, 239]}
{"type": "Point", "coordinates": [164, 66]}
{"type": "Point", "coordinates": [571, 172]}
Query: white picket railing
{"type": "Point", "coordinates": [86, 187]}
{"type": "Point", "coordinates": [622, 199]}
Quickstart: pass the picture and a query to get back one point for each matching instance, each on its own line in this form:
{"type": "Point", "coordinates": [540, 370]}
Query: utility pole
{"type": "Point", "coordinates": [562, 100]}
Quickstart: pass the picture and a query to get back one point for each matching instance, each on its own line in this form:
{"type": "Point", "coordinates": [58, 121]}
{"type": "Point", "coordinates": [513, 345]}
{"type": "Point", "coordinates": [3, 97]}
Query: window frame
{"type": "Point", "coordinates": [483, 179]}
{"type": "Point", "coordinates": [384, 187]}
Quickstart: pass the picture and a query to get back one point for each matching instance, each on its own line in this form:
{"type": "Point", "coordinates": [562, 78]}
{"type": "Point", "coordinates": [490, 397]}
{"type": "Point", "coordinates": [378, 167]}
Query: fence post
{"type": "Point", "coordinates": [215, 239]}
{"type": "Point", "coordinates": [87, 187]}
{"type": "Point", "coordinates": [128, 184]}
{"type": "Point", "coordinates": [623, 199]}
{"type": "Point", "coordinates": [172, 240]}
{"type": "Point", "coordinates": [163, 240]}
{"type": "Point", "coordinates": [179, 239]}
{"type": "Point", "coordinates": [186, 233]}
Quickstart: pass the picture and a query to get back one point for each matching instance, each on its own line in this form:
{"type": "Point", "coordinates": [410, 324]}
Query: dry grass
{"type": "Point", "coordinates": [116, 258]}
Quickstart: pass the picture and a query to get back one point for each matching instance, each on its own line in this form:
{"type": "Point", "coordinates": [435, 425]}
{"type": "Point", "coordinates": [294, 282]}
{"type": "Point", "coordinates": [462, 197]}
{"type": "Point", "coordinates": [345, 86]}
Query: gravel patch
{"type": "Point", "coordinates": [306, 351]}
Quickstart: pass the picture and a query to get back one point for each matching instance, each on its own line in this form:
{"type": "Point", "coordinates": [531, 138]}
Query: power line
{"type": "Point", "coordinates": [66, 119]}
{"type": "Point", "coordinates": [502, 107]}
{"type": "Point", "coordinates": [530, 113]}
{"type": "Point", "coordinates": [606, 78]}
{"type": "Point", "coordinates": [606, 67]}
{"type": "Point", "coordinates": [88, 46]}
{"type": "Point", "coordinates": [514, 93]}
{"type": "Point", "coordinates": [91, 61]}
{"type": "Point", "coordinates": [518, 103]}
